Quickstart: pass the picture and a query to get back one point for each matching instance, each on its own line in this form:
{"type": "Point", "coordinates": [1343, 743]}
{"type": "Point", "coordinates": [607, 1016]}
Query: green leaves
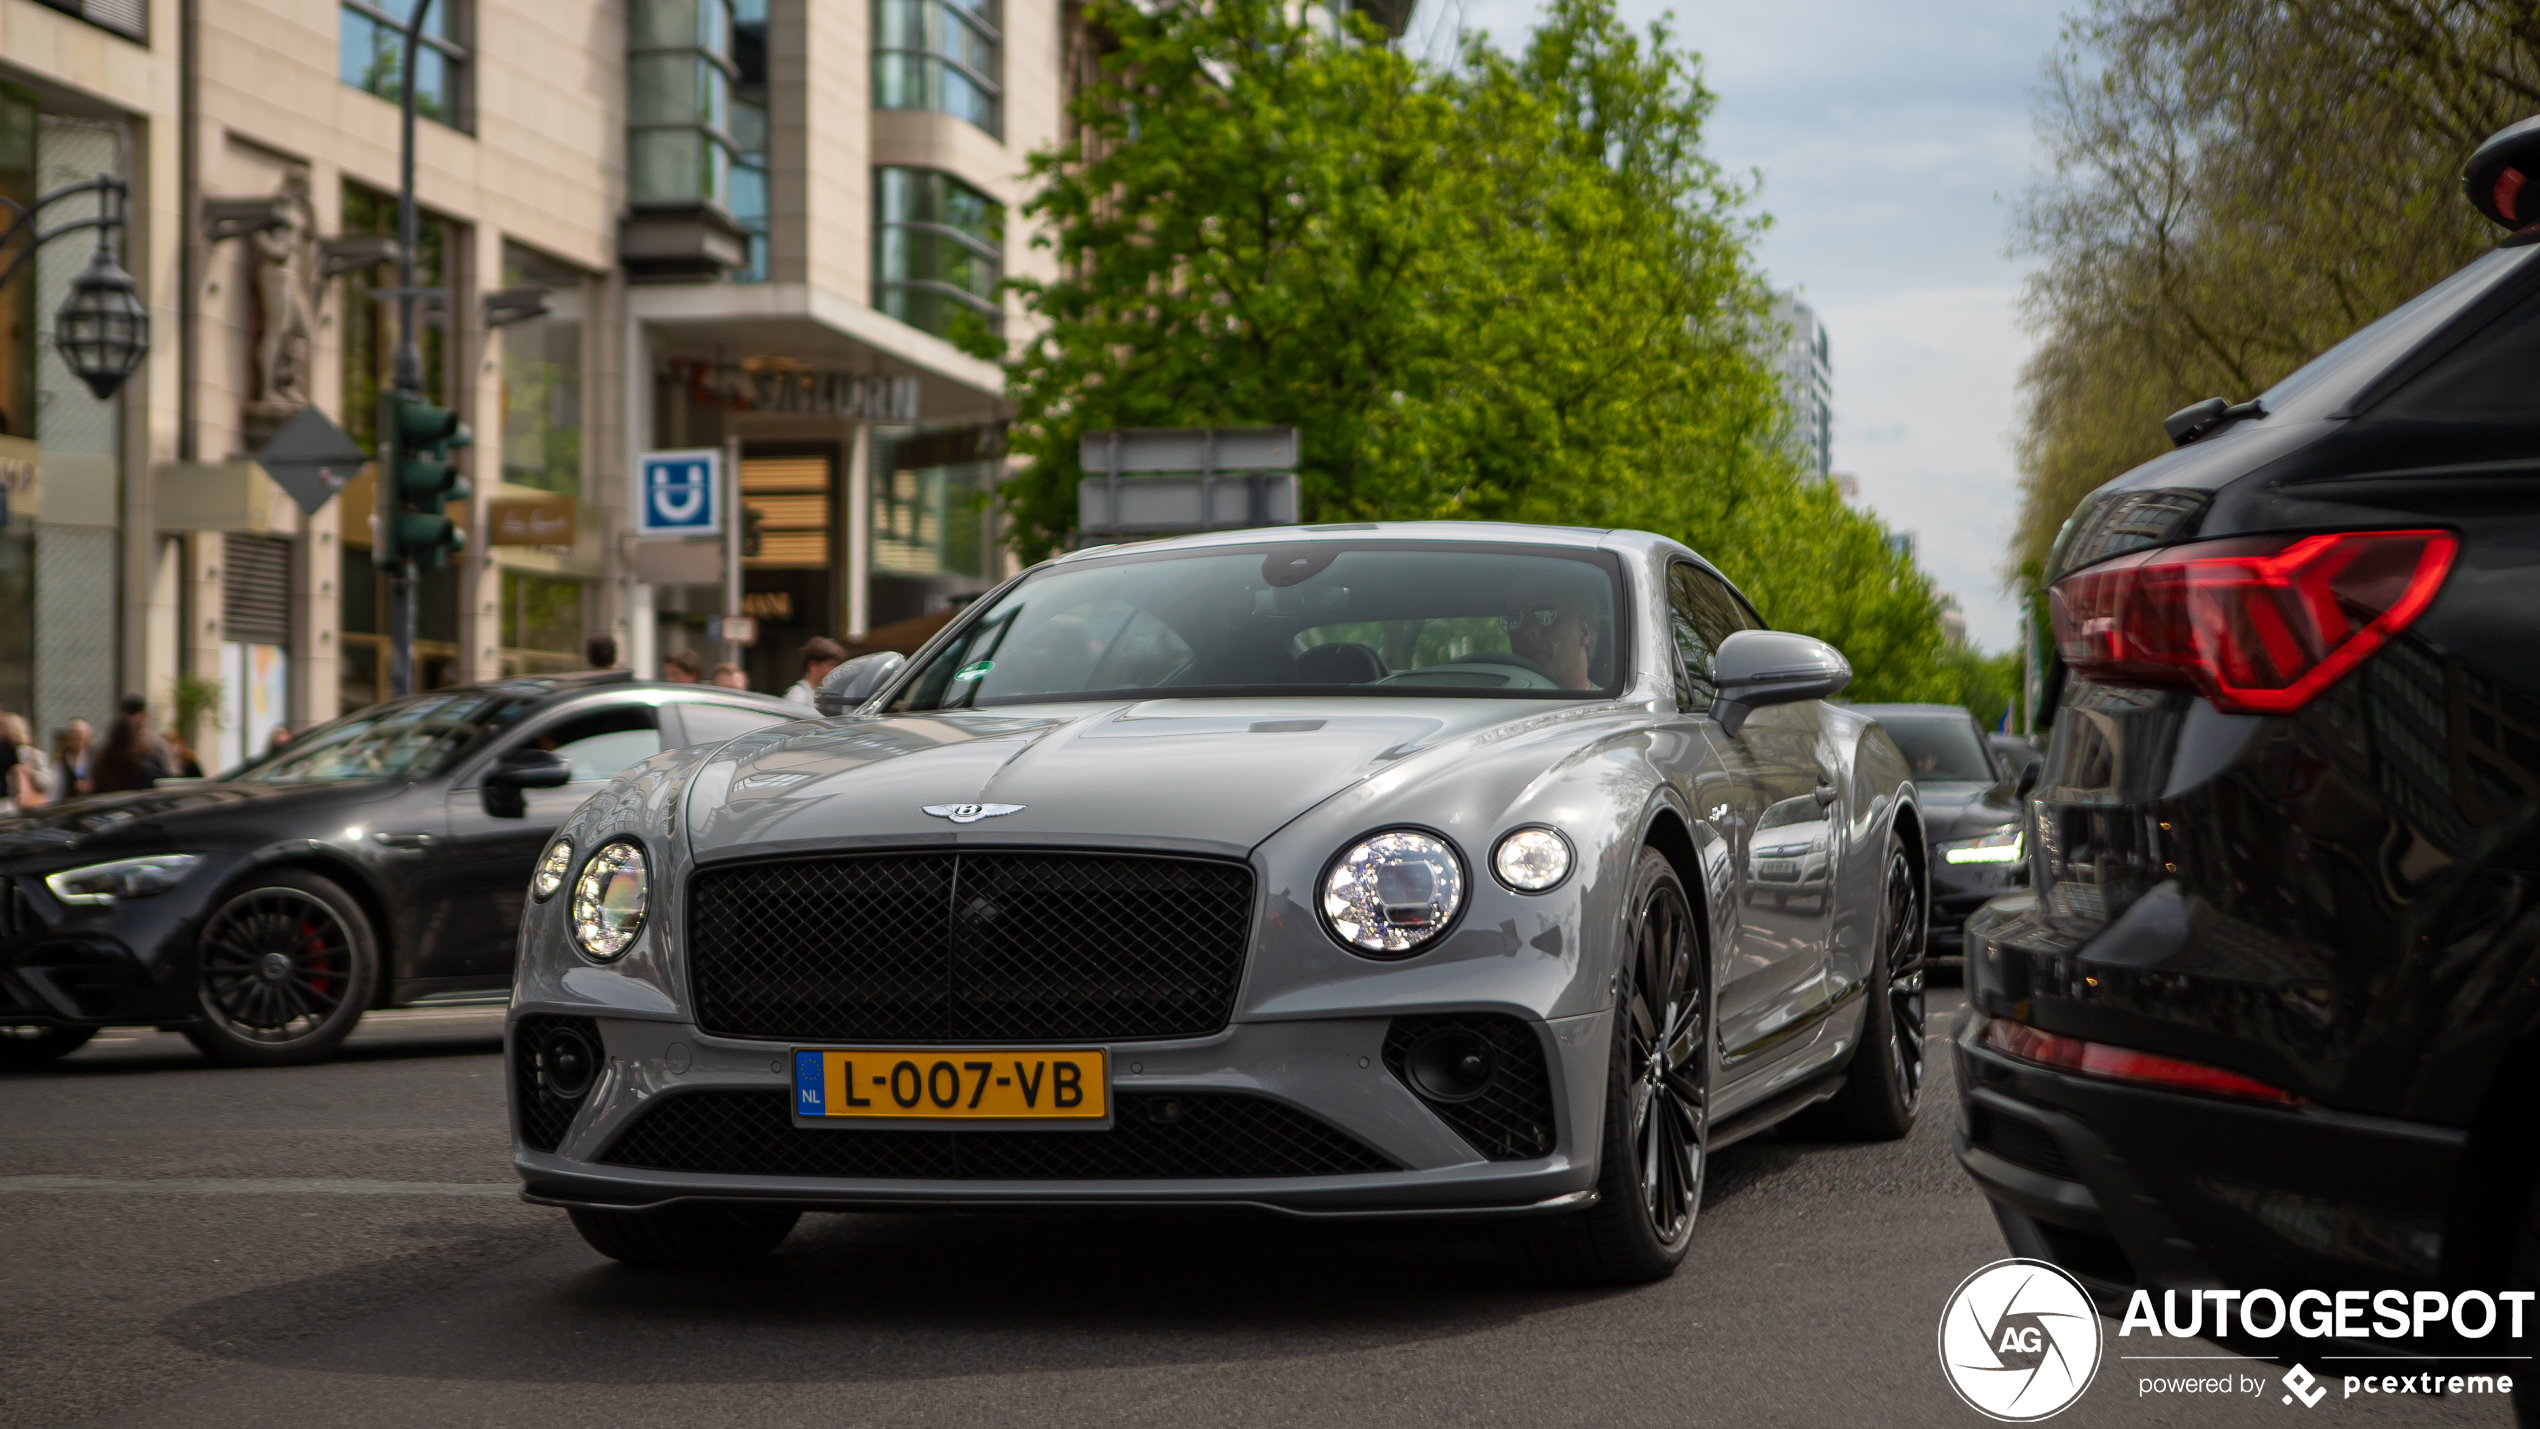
{"type": "Point", "coordinates": [1511, 290]}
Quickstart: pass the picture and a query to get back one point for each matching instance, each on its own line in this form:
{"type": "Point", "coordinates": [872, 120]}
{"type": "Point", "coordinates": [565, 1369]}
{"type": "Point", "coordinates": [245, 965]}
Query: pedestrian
{"type": "Point", "coordinates": [682, 667]}
{"type": "Point", "coordinates": [731, 677]}
{"type": "Point", "coordinates": [30, 773]}
{"type": "Point", "coordinates": [601, 651]}
{"type": "Point", "coordinates": [820, 656]}
{"type": "Point", "coordinates": [281, 736]}
{"type": "Point", "coordinates": [131, 758]}
{"type": "Point", "coordinates": [71, 747]}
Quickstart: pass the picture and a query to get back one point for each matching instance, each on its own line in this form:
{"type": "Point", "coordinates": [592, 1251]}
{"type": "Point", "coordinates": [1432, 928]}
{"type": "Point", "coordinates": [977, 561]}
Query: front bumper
{"type": "Point", "coordinates": [2135, 1188]}
{"type": "Point", "coordinates": [1332, 1071]}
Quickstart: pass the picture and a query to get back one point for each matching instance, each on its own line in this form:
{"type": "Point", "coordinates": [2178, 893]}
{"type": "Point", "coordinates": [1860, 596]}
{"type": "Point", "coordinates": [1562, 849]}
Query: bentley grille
{"type": "Point", "coordinates": [970, 946]}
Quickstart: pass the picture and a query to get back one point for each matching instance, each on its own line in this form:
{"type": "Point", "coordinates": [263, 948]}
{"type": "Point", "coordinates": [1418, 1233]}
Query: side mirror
{"type": "Point", "coordinates": [1755, 668]}
{"type": "Point", "coordinates": [524, 768]}
{"type": "Point", "coordinates": [854, 682]}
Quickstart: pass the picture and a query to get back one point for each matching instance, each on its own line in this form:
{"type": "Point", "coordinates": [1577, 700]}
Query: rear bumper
{"type": "Point", "coordinates": [2132, 1188]}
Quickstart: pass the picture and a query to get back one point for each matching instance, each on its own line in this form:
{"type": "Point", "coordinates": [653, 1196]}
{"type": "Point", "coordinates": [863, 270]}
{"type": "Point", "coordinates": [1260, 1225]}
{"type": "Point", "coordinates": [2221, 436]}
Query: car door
{"type": "Point", "coordinates": [1773, 978]}
{"type": "Point", "coordinates": [484, 869]}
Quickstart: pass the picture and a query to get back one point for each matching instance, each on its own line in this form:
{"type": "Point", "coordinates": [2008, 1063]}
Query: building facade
{"type": "Point", "coordinates": [767, 225]}
{"type": "Point", "coordinates": [1805, 365]}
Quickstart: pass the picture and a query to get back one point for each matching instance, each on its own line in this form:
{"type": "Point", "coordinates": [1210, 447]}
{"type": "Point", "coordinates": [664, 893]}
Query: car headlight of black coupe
{"type": "Point", "coordinates": [124, 878]}
{"type": "Point", "coordinates": [1393, 892]}
{"type": "Point", "coordinates": [608, 899]}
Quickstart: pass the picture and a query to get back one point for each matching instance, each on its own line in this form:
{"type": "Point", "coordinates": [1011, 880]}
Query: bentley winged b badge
{"type": "Point", "coordinates": [968, 813]}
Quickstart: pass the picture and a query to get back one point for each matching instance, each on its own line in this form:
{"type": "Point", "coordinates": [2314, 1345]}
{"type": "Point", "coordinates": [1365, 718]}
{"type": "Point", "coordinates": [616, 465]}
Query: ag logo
{"type": "Point", "coordinates": [2019, 1341]}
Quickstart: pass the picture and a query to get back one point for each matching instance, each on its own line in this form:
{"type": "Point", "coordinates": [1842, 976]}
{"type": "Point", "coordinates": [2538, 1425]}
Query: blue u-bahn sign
{"type": "Point", "coordinates": [679, 493]}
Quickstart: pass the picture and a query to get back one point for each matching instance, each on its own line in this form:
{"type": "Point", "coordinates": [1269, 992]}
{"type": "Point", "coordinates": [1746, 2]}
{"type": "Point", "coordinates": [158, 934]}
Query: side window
{"type": "Point", "coordinates": [717, 724]}
{"type": "Point", "coordinates": [604, 741]}
{"type": "Point", "coordinates": [1701, 611]}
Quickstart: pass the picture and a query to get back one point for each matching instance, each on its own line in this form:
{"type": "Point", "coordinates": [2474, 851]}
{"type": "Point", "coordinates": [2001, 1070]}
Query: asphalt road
{"type": "Point", "coordinates": [184, 1244]}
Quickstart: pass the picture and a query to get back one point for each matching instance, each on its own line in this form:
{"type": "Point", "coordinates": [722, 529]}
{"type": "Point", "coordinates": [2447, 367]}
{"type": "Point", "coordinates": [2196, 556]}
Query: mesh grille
{"type": "Point", "coordinates": [2022, 1144]}
{"type": "Point", "coordinates": [1512, 1119]}
{"type": "Point", "coordinates": [752, 1133]}
{"type": "Point", "coordinates": [543, 1119]}
{"type": "Point", "coordinates": [1002, 946]}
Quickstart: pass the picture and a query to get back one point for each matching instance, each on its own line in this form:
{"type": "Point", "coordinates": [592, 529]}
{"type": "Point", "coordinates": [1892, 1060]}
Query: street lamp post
{"type": "Point", "coordinates": [102, 329]}
{"type": "Point", "coordinates": [407, 375]}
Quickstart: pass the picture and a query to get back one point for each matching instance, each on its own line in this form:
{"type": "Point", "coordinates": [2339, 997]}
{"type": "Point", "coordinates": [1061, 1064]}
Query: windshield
{"type": "Point", "coordinates": [1382, 618]}
{"type": "Point", "coordinates": [405, 739]}
{"type": "Point", "coordinates": [1941, 748]}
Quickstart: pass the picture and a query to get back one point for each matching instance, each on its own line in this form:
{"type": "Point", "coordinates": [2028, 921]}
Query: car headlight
{"type": "Point", "coordinates": [124, 878]}
{"type": "Point", "coordinates": [1393, 892]}
{"type": "Point", "coordinates": [552, 871]}
{"type": "Point", "coordinates": [608, 900]}
{"type": "Point", "coordinates": [1531, 860]}
{"type": "Point", "coordinates": [2000, 846]}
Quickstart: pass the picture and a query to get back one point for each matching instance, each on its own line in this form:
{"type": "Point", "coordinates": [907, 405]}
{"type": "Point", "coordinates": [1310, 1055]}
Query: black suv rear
{"type": "Point", "coordinates": [2269, 1014]}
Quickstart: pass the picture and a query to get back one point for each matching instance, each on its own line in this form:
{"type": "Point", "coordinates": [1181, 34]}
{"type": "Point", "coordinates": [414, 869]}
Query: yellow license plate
{"type": "Point", "coordinates": [951, 1084]}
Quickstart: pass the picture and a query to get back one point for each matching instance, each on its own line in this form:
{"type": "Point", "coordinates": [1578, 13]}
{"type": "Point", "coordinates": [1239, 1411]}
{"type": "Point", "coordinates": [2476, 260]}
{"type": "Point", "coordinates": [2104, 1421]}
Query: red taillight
{"type": "Point", "coordinates": [2098, 1059]}
{"type": "Point", "coordinates": [2258, 625]}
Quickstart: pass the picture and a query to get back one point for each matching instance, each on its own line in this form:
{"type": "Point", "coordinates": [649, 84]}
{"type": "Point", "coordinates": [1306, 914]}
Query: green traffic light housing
{"type": "Point", "coordinates": [422, 481]}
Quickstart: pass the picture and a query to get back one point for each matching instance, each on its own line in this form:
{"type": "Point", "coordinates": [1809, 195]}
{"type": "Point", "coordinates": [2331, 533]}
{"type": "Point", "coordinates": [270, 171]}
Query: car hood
{"type": "Point", "coordinates": [1954, 810]}
{"type": "Point", "coordinates": [1205, 775]}
{"type": "Point", "coordinates": [142, 818]}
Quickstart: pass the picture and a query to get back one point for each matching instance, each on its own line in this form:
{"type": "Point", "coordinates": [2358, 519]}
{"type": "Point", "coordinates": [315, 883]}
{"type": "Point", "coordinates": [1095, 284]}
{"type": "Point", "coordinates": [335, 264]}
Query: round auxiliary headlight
{"type": "Point", "coordinates": [1531, 860]}
{"type": "Point", "coordinates": [608, 900]}
{"type": "Point", "coordinates": [1393, 892]}
{"type": "Point", "coordinates": [552, 871]}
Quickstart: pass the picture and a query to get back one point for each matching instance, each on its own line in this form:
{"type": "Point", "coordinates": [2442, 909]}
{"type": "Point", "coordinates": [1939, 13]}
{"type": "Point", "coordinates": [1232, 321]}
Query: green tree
{"type": "Point", "coordinates": [1510, 289]}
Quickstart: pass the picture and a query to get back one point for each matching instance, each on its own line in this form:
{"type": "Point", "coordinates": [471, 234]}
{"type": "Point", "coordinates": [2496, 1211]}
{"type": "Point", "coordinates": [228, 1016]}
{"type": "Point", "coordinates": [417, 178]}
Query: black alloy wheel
{"type": "Point", "coordinates": [24, 1049]}
{"type": "Point", "coordinates": [1883, 1082]}
{"type": "Point", "coordinates": [1657, 1107]}
{"type": "Point", "coordinates": [283, 970]}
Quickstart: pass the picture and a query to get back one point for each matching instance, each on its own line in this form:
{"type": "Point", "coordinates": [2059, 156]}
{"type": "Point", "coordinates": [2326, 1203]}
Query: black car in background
{"type": "Point", "coordinates": [377, 861]}
{"type": "Point", "coordinates": [2269, 1016]}
{"type": "Point", "coordinates": [1971, 819]}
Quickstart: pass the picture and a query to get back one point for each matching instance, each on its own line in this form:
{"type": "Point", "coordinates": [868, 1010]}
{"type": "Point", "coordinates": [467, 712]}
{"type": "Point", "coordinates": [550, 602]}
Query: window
{"type": "Point", "coordinates": [1944, 748]}
{"type": "Point", "coordinates": [541, 623]}
{"type": "Point", "coordinates": [941, 251]}
{"type": "Point", "coordinates": [679, 75]}
{"type": "Point", "coordinates": [542, 379]}
{"type": "Point", "coordinates": [603, 742]}
{"type": "Point", "coordinates": [1702, 612]}
{"type": "Point", "coordinates": [941, 55]}
{"type": "Point", "coordinates": [749, 133]}
{"type": "Point", "coordinates": [371, 49]}
{"type": "Point", "coordinates": [128, 18]}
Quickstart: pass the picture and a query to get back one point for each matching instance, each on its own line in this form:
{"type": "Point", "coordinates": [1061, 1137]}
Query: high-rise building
{"type": "Point", "coordinates": [645, 224]}
{"type": "Point", "coordinates": [1806, 369]}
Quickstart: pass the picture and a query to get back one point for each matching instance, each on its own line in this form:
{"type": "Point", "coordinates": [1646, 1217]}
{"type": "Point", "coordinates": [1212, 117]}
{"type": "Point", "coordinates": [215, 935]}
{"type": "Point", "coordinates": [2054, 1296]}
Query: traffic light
{"type": "Point", "coordinates": [418, 480]}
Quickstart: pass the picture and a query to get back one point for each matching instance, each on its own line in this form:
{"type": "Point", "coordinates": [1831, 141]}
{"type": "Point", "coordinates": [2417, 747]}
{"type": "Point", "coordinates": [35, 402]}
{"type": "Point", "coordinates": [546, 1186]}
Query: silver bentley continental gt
{"type": "Point", "coordinates": [1343, 871]}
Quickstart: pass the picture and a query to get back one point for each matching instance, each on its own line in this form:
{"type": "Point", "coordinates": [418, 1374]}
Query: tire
{"type": "Point", "coordinates": [704, 1236]}
{"type": "Point", "coordinates": [282, 971]}
{"type": "Point", "coordinates": [1883, 1081]}
{"type": "Point", "coordinates": [28, 1049]}
{"type": "Point", "coordinates": [1655, 1146]}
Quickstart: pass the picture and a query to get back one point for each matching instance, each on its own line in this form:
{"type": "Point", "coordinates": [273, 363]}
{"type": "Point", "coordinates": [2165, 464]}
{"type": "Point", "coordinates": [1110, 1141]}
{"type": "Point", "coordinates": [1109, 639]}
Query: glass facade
{"type": "Point", "coordinates": [542, 379]}
{"type": "Point", "coordinates": [749, 133]}
{"type": "Point", "coordinates": [541, 623]}
{"type": "Point", "coordinates": [370, 55]}
{"type": "Point", "coordinates": [17, 300]}
{"type": "Point", "coordinates": [942, 55]}
{"type": "Point", "coordinates": [939, 250]}
{"type": "Point", "coordinates": [679, 76]}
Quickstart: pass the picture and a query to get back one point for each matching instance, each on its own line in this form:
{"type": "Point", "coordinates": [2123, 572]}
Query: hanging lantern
{"type": "Point", "coordinates": [102, 330]}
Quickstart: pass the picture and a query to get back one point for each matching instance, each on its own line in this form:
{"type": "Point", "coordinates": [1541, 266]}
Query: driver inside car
{"type": "Point", "coordinates": [1550, 625]}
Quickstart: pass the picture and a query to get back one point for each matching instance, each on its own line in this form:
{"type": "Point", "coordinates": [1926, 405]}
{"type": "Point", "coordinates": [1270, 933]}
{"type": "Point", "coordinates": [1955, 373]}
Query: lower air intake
{"type": "Point", "coordinates": [1508, 1115]}
{"type": "Point", "coordinates": [1153, 1138]}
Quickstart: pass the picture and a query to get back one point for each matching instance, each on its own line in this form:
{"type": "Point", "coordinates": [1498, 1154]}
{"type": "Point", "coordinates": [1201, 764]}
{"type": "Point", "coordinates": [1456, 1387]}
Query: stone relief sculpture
{"type": "Point", "coordinates": [286, 318]}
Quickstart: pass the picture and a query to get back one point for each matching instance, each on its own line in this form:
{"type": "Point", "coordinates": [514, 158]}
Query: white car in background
{"type": "Point", "coordinates": [1787, 856]}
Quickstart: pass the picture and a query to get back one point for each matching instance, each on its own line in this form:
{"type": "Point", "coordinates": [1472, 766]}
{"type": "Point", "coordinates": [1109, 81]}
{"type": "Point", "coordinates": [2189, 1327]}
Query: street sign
{"type": "Point", "coordinates": [311, 458]}
{"type": "Point", "coordinates": [534, 523]}
{"type": "Point", "coordinates": [738, 629]}
{"type": "Point", "coordinates": [679, 493]}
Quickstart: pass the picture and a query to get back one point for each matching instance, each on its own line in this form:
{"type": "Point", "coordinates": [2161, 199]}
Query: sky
{"type": "Point", "coordinates": [1894, 143]}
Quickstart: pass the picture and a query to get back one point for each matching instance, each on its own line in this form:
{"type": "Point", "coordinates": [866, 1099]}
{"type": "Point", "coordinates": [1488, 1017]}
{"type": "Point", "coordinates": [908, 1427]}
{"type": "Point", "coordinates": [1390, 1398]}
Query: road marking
{"type": "Point", "coordinates": [252, 1186]}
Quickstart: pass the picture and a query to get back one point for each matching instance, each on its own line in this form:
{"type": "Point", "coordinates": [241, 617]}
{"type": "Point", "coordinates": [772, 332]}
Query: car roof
{"type": "Point", "coordinates": [549, 688]}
